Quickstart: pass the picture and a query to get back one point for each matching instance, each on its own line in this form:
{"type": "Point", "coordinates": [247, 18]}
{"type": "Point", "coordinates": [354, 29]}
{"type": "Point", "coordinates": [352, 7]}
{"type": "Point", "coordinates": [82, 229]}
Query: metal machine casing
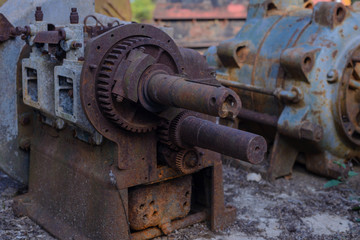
{"type": "Point", "coordinates": [108, 111]}
{"type": "Point", "coordinates": [296, 72]}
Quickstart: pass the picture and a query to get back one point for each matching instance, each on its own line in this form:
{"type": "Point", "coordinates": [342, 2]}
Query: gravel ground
{"type": "Point", "coordinates": [12, 228]}
{"type": "Point", "coordinates": [290, 208]}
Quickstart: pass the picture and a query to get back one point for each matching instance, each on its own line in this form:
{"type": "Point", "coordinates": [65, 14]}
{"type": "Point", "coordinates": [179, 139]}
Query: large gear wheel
{"type": "Point", "coordinates": [113, 73]}
{"type": "Point", "coordinates": [127, 114]}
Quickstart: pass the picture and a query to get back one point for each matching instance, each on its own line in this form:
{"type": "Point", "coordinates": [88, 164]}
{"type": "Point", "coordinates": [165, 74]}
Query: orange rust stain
{"type": "Point", "coordinates": [319, 92]}
{"type": "Point", "coordinates": [356, 27]}
{"type": "Point", "coordinates": [341, 31]}
{"type": "Point", "coordinates": [334, 53]}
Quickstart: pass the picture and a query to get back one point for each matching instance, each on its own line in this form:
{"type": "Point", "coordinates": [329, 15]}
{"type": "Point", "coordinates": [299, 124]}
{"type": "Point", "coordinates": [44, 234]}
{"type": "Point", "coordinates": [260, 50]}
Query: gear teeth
{"type": "Point", "coordinates": [106, 68]}
{"type": "Point", "coordinates": [173, 129]}
{"type": "Point", "coordinates": [103, 74]}
{"type": "Point", "coordinates": [163, 135]}
{"type": "Point", "coordinates": [109, 62]}
{"type": "Point", "coordinates": [104, 82]}
{"type": "Point", "coordinates": [179, 162]}
{"type": "Point", "coordinates": [113, 56]}
{"type": "Point", "coordinates": [102, 95]}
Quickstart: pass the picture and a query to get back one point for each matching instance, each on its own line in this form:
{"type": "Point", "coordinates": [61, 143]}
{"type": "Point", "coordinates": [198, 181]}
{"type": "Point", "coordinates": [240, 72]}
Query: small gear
{"type": "Point", "coordinates": [174, 132]}
{"type": "Point", "coordinates": [187, 160]}
{"type": "Point", "coordinates": [163, 135]}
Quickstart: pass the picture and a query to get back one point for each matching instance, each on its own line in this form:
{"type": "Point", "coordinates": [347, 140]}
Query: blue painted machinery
{"type": "Point", "coordinates": [297, 72]}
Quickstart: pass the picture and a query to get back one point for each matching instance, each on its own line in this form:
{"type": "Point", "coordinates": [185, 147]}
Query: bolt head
{"type": "Point", "coordinates": [311, 131]}
{"type": "Point", "coordinates": [332, 76]}
{"type": "Point", "coordinates": [25, 144]}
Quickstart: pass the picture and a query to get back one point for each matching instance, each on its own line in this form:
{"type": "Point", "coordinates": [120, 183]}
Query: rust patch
{"type": "Point", "coordinates": [334, 53]}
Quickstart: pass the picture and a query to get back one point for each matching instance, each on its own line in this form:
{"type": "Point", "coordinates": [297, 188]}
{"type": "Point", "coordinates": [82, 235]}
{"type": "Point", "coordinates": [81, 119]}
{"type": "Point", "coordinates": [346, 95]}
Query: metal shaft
{"type": "Point", "coordinates": [278, 92]}
{"type": "Point", "coordinates": [229, 141]}
{"type": "Point", "coordinates": [179, 92]}
{"type": "Point", "coordinates": [257, 117]}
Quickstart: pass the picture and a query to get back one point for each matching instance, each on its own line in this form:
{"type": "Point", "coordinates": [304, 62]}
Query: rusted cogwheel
{"type": "Point", "coordinates": [174, 132]}
{"type": "Point", "coordinates": [106, 63]}
{"type": "Point", "coordinates": [187, 160]}
{"type": "Point", "coordinates": [123, 112]}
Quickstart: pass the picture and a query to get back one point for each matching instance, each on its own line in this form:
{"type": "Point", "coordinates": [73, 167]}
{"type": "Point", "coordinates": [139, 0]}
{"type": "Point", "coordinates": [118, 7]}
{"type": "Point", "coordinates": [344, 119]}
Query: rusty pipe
{"type": "Point", "coordinates": [179, 92]}
{"type": "Point", "coordinates": [229, 141]}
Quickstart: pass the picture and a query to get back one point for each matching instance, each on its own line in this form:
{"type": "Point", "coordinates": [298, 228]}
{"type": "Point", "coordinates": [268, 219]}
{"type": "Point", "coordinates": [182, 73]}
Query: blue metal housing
{"type": "Point", "coordinates": [301, 67]}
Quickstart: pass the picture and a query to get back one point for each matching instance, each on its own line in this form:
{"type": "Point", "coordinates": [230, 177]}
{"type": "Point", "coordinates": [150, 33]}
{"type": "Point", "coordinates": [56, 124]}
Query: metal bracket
{"type": "Point", "coordinates": [6, 29]}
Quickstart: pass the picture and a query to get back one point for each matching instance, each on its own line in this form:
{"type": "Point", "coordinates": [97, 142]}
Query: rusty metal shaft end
{"type": "Point", "coordinates": [229, 141]}
{"type": "Point", "coordinates": [179, 92]}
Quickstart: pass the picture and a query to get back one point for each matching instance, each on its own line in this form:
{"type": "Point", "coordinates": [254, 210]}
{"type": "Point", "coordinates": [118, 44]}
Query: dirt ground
{"type": "Point", "coordinates": [296, 208]}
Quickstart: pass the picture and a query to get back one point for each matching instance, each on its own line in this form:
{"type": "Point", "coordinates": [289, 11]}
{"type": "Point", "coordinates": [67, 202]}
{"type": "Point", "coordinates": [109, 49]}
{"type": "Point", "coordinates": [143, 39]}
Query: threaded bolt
{"type": "Point", "coordinates": [74, 16]}
{"type": "Point", "coordinates": [75, 45]}
{"type": "Point", "coordinates": [39, 15]}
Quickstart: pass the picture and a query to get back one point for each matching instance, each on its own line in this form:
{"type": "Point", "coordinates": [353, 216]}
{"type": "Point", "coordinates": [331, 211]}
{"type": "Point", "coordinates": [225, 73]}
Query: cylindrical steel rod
{"type": "Point", "coordinates": [179, 92]}
{"type": "Point", "coordinates": [257, 117]}
{"type": "Point", "coordinates": [246, 87]}
{"type": "Point", "coordinates": [278, 93]}
{"type": "Point", "coordinates": [229, 141]}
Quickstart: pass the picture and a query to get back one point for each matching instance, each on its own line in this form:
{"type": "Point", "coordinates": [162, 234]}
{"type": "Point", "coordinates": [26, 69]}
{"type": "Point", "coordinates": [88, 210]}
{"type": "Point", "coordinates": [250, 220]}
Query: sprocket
{"type": "Point", "coordinates": [187, 160]}
{"type": "Point", "coordinates": [126, 113]}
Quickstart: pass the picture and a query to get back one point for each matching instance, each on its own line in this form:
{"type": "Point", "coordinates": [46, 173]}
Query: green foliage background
{"type": "Point", "coordinates": [142, 10]}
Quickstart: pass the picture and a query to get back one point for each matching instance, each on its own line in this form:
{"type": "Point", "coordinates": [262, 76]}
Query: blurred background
{"type": "Point", "coordinates": [194, 24]}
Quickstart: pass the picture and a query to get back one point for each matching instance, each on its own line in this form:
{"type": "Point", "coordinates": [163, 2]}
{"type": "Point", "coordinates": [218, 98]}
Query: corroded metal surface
{"type": "Point", "coordinates": [295, 70]}
{"type": "Point", "coordinates": [135, 182]}
{"type": "Point", "coordinates": [13, 160]}
{"type": "Point", "coordinates": [241, 145]}
{"type": "Point", "coordinates": [160, 203]}
{"type": "Point", "coordinates": [215, 101]}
